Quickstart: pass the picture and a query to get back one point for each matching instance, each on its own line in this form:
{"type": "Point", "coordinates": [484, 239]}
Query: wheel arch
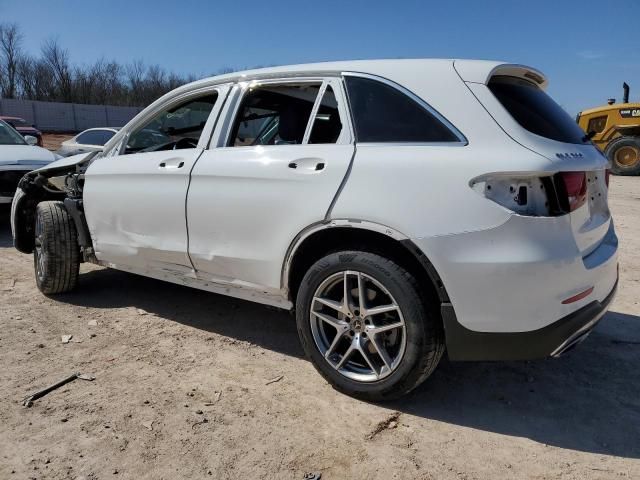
{"type": "Point", "coordinates": [322, 238]}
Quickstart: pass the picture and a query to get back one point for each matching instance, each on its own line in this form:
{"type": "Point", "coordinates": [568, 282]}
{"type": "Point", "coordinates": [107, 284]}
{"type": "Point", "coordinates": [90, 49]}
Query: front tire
{"type": "Point", "coordinates": [365, 326]}
{"type": "Point", "coordinates": [56, 256]}
{"type": "Point", "coordinates": [624, 155]}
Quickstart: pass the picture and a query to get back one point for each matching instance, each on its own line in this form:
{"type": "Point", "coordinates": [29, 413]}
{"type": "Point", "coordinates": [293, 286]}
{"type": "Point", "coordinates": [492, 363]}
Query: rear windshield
{"type": "Point", "coordinates": [534, 110]}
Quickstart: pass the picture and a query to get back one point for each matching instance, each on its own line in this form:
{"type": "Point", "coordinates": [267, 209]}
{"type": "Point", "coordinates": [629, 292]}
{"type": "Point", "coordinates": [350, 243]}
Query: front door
{"type": "Point", "coordinates": [134, 197]}
{"type": "Point", "coordinates": [281, 156]}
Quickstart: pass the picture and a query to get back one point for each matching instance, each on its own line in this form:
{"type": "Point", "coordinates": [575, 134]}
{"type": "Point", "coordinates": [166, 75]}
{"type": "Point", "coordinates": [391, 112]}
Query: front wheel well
{"type": "Point", "coordinates": [403, 252]}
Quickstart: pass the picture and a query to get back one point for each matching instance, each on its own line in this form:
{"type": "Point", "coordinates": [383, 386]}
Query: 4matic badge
{"type": "Point", "coordinates": [569, 155]}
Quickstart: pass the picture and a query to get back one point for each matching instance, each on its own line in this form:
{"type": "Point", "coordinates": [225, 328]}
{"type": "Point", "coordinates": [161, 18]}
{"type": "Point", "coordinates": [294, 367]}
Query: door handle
{"type": "Point", "coordinates": [307, 165]}
{"type": "Point", "coordinates": [171, 165]}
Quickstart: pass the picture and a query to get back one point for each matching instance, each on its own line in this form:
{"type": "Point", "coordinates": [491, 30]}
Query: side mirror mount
{"type": "Point", "coordinates": [31, 140]}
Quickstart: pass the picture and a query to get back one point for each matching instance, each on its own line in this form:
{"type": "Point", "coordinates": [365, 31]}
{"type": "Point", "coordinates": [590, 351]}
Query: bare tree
{"type": "Point", "coordinates": [57, 59]}
{"type": "Point", "coordinates": [52, 77]}
{"type": "Point", "coordinates": [10, 53]}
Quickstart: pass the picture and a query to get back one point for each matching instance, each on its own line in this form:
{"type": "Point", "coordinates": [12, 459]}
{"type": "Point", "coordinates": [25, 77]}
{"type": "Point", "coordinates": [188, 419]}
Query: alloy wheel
{"type": "Point", "coordinates": [40, 260]}
{"type": "Point", "coordinates": [358, 326]}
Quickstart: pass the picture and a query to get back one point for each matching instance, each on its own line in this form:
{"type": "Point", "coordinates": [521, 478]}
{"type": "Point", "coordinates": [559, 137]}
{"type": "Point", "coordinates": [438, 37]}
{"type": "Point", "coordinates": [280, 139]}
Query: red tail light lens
{"type": "Point", "coordinates": [607, 174]}
{"type": "Point", "coordinates": [575, 184]}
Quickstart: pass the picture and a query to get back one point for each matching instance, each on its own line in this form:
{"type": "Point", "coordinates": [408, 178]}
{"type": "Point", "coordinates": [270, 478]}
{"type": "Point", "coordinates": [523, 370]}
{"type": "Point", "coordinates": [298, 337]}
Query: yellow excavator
{"type": "Point", "coordinates": [615, 129]}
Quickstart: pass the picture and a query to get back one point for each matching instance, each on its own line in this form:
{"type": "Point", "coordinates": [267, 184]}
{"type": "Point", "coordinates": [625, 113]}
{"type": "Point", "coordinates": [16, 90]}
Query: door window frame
{"type": "Point", "coordinates": [222, 91]}
{"type": "Point", "coordinates": [223, 128]}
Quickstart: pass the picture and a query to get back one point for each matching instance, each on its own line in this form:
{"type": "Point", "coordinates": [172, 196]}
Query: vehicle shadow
{"type": "Point", "coordinates": [588, 400]}
{"type": "Point", "coordinates": [271, 328]}
{"type": "Point", "coordinates": [6, 240]}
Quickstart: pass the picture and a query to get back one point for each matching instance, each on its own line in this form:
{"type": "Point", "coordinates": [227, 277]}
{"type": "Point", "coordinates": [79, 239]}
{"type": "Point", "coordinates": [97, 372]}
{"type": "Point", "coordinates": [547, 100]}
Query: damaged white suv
{"type": "Point", "coordinates": [401, 207]}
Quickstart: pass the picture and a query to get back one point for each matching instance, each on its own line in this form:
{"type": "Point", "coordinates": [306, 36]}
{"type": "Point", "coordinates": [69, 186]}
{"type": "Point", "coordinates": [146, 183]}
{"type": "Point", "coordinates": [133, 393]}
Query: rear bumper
{"type": "Point", "coordinates": [515, 290]}
{"type": "Point", "coordinates": [552, 340]}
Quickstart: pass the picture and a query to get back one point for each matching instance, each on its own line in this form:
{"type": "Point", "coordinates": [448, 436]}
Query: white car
{"type": "Point", "coordinates": [401, 207]}
{"type": "Point", "coordinates": [91, 140]}
{"type": "Point", "coordinates": [18, 155]}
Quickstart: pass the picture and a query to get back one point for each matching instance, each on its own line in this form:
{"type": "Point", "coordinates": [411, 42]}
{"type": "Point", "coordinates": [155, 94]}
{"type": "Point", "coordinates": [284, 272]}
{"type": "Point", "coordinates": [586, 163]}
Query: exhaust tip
{"type": "Point", "coordinates": [564, 349]}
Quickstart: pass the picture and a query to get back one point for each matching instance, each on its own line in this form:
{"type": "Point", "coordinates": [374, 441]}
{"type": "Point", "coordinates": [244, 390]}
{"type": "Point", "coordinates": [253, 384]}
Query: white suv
{"type": "Point", "coordinates": [401, 207]}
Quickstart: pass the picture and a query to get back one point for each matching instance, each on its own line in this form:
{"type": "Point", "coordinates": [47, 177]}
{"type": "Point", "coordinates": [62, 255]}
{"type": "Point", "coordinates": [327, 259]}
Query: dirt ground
{"type": "Point", "coordinates": [52, 141]}
{"type": "Point", "coordinates": [194, 385]}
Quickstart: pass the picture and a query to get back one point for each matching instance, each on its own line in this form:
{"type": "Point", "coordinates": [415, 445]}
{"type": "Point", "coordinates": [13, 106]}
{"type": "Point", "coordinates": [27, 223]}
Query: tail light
{"type": "Point", "coordinates": [524, 195]}
{"type": "Point", "coordinates": [534, 196]}
{"type": "Point", "coordinates": [575, 184]}
{"type": "Point", "coordinates": [607, 174]}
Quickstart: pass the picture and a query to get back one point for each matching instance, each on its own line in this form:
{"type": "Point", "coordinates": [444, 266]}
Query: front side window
{"type": "Point", "coordinates": [274, 115]}
{"type": "Point", "coordinates": [535, 111]}
{"type": "Point", "coordinates": [175, 128]}
{"type": "Point", "coordinates": [8, 136]}
{"type": "Point", "coordinates": [383, 113]}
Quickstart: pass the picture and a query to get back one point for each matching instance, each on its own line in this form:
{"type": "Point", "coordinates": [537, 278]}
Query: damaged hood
{"type": "Point", "coordinates": [66, 161]}
{"type": "Point", "coordinates": [25, 155]}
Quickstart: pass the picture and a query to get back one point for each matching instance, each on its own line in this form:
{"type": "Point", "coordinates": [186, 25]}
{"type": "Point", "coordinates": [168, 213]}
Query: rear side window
{"type": "Point", "coordinates": [534, 110]}
{"type": "Point", "coordinates": [382, 113]}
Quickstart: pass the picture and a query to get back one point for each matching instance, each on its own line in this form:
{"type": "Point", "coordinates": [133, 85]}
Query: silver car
{"type": "Point", "coordinates": [91, 140]}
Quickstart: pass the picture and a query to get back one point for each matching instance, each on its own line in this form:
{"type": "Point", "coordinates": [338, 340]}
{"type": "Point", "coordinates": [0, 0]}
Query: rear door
{"type": "Point", "coordinates": [134, 195]}
{"type": "Point", "coordinates": [275, 167]}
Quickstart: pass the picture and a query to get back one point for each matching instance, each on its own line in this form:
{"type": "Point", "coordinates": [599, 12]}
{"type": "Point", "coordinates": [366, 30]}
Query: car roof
{"type": "Point", "coordinates": [469, 70]}
{"type": "Point", "coordinates": [110, 129]}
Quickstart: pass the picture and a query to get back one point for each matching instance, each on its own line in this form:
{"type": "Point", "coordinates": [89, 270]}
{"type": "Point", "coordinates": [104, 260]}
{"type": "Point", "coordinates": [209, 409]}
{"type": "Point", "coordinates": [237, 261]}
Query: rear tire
{"type": "Point", "coordinates": [624, 155]}
{"type": "Point", "coordinates": [56, 256]}
{"type": "Point", "coordinates": [390, 362]}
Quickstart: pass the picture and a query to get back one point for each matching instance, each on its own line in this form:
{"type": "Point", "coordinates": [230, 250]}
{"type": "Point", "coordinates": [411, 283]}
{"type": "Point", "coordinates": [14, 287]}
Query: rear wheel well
{"type": "Point", "coordinates": [404, 252]}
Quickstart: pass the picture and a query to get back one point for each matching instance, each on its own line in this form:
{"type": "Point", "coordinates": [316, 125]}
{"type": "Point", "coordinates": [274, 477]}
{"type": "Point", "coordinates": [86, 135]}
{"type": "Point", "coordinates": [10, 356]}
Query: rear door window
{"type": "Point", "coordinates": [534, 110]}
{"type": "Point", "coordinates": [326, 126]}
{"type": "Point", "coordinates": [274, 115]}
{"type": "Point", "coordinates": [383, 113]}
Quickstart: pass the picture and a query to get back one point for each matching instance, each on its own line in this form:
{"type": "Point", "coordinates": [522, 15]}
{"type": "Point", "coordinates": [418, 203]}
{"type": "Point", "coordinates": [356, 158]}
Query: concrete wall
{"type": "Point", "coordinates": [60, 117]}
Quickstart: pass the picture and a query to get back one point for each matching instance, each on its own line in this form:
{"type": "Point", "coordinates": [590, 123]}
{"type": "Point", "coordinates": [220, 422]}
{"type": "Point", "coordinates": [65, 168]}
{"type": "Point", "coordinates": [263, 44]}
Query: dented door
{"type": "Point", "coordinates": [135, 199]}
{"type": "Point", "coordinates": [247, 203]}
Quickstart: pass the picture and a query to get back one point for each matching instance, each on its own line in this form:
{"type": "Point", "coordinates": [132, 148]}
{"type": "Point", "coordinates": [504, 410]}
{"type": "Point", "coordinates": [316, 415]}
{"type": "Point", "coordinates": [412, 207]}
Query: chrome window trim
{"type": "Point", "coordinates": [462, 140]}
{"type": "Point", "coordinates": [412, 144]}
{"type": "Point", "coordinates": [314, 112]}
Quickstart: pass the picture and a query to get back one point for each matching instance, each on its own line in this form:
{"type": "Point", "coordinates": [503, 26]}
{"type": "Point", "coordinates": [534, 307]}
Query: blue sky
{"type": "Point", "coordinates": [587, 48]}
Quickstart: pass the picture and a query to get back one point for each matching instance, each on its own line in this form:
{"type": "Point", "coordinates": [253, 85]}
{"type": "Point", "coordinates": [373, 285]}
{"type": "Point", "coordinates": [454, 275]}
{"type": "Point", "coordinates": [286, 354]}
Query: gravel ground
{"type": "Point", "coordinates": [195, 385]}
